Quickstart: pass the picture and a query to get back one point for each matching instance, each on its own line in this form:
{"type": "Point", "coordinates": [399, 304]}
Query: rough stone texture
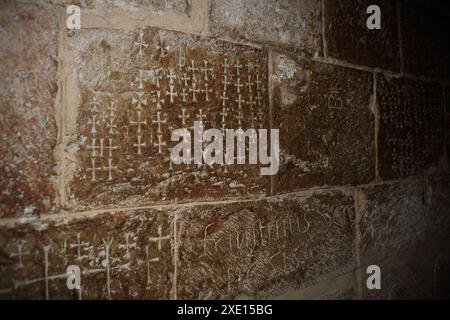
{"type": "Point", "coordinates": [411, 126]}
{"type": "Point", "coordinates": [289, 24]}
{"type": "Point", "coordinates": [335, 286]}
{"type": "Point", "coordinates": [180, 15]}
{"type": "Point", "coordinates": [423, 25]}
{"type": "Point", "coordinates": [348, 38]}
{"type": "Point", "coordinates": [119, 254]}
{"type": "Point", "coordinates": [134, 115]}
{"type": "Point", "coordinates": [180, 6]}
{"type": "Point", "coordinates": [240, 249]}
{"type": "Point", "coordinates": [222, 236]}
{"type": "Point", "coordinates": [27, 123]}
{"type": "Point", "coordinates": [404, 230]}
{"type": "Point", "coordinates": [408, 276]}
{"type": "Point", "coordinates": [398, 216]}
{"type": "Point", "coordinates": [326, 125]}
{"type": "Point", "coordinates": [447, 113]}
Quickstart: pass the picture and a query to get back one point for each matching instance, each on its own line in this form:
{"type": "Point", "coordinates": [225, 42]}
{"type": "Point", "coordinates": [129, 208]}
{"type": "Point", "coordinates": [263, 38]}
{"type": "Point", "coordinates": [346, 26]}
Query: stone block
{"type": "Point", "coordinates": [348, 39]}
{"type": "Point", "coordinates": [132, 89]}
{"type": "Point", "coordinates": [121, 255]}
{"type": "Point", "coordinates": [398, 216]}
{"type": "Point", "coordinates": [423, 25]}
{"type": "Point", "coordinates": [326, 124]}
{"type": "Point", "coordinates": [289, 24]}
{"type": "Point", "coordinates": [260, 248]}
{"type": "Point", "coordinates": [411, 126]}
{"type": "Point", "coordinates": [28, 51]}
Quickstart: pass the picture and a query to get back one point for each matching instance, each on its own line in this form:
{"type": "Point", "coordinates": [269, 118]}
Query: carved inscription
{"type": "Point", "coordinates": [243, 249]}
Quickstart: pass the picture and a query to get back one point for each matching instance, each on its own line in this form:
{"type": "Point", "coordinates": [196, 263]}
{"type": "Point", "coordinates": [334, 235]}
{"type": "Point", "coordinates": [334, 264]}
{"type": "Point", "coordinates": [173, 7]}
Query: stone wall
{"type": "Point", "coordinates": [86, 178]}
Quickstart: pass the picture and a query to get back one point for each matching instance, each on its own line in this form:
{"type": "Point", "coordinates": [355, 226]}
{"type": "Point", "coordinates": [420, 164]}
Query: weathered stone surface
{"type": "Point", "coordinates": [404, 229]}
{"type": "Point", "coordinates": [348, 38]}
{"type": "Point", "coordinates": [411, 126]}
{"type": "Point", "coordinates": [407, 276]}
{"type": "Point", "coordinates": [326, 125]}
{"type": "Point", "coordinates": [180, 6]}
{"type": "Point", "coordinates": [400, 216]}
{"type": "Point", "coordinates": [440, 207]}
{"type": "Point", "coordinates": [442, 277]}
{"type": "Point", "coordinates": [423, 25]}
{"type": "Point", "coordinates": [447, 113]}
{"type": "Point", "coordinates": [241, 249]}
{"type": "Point", "coordinates": [145, 84]}
{"type": "Point", "coordinates": [289, 24]}
{"type": "Point", "coordinates": [180, 15]}
{"type": "Point", "coordinates": [334, 286]}
{"type": "Point", "coordinates": [120, 254]}
{"type": "Point", "coordinates": [27, 124]}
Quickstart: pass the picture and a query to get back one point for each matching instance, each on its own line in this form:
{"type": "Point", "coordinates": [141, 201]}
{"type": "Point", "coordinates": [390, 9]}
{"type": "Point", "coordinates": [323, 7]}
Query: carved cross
{"type": "Point", "coordinates": [259, 98]}
{"type": "Point", "coordinates": [192, 68]}
{"type": "Point", "coordinates": [163, 49]}
{"type": "Point", "coordinates": [183, 116]}
{"type": "Point", "coordinates": [171, 76]}
{"type": "Point", "coordinates": [240, 102]}
{"type": "Point", "coordinates": [171, 93]}
{"type": "Point", "coordinates": [238, 67]}
{"type": "Point", "coordinates": [223, 114]}
{"type": "Point", "coordinates": [140, 79]}
{"type": "Point", "coordinates": [110, 147]}
{"type": "Point", "coordinates": [141, 43]}
{"type": "Point", "coordinates": [110, 168]}
{"type": "Point", "coordinates": [200, 115]}
{"type": "Point", "coordinates": [224, 98]}
{"type": "Point", "coordinates": [78, 245]}
{"type": "Point", "coordinates": [205, 70]}
{"type": "Point", "coordinates": [185, 79]}
{"type": "Point", "coordinates": [258, 82]}
{"type": "Point", "coordinates": [112, 108]}
{"type": "Point", "coordinates": [159, 73]}
{"type": "Point", "coordinates": [238, 85]}
{"type": "Point", "coordinates": [111, 125]}
{"type": "Point", "coordinates": [260, 117]}
{"type": "Point", "coordinates": [181, 57]}
{"type": "Point", "coordinates": [206, 91]}
{"type": "Point", "coordinates": [20, 253]}
{"type": "Point", "coordinates": [158, 100]}
{"type": "Point", "coordinates": [93, 168]}
{"type": "Point", "coordinates": [184, 95]}
{"type": "Point", "coordinates": [253, 118]}
{"type": "Point", "coordinates": [250, 66]}
{"type": "Point", "coordinates": [160, 238]}
{"type": "Point", "coordinates": [139, 144]}
{"type": "Point", "coordinates": [94, 147]}
{"type": "Point", "coordinates": [94, 104]}
{"type": "Point", "coordinates": [158, 121]}
{"type": "Point", "coordinates": [94, 122]}
{"type": "Point", "coordinates": [251, 102]}
{"type": "Point", "coordinates": [159, 144]}
{"type": "Point", "coordinates": [225, 83]}
{"type": "Point", "coordinates": [139, 122]}
{"type": "Point", "coordinates": [225, 66]}
{"type": "Point", "coordinates": [249, 83]}
{"type": "Point", "coordinates": [194, 91]}
{"type": "Point", "coordinates": [239, 117]}
{"type": "Point", "coordinates": [149, 278]}
{"type": "Point", "coordinates": [138, 100]}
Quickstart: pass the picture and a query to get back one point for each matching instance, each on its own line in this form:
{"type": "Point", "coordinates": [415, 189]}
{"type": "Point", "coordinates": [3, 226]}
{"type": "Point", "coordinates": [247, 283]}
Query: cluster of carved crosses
{"type": "Point", "coordinates": [102, 256]}
{"type": "Point", "coordinates": [171, 88]}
